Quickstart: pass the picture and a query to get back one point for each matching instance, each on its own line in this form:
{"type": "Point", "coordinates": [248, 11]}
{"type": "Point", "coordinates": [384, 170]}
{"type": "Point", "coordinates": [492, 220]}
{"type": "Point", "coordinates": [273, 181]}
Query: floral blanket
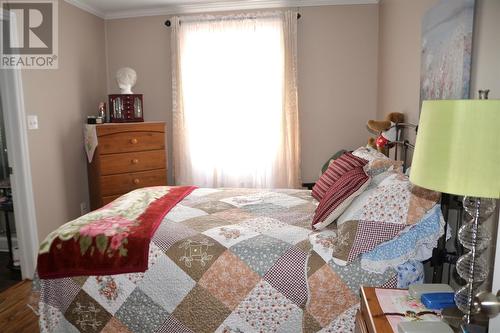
{"type": "Point", "coordinates": [223, 260]}
{"type": "Point", "coordinates": [111, 240]}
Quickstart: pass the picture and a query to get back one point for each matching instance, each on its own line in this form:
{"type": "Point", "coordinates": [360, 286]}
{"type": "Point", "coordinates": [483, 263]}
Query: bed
{"type": "Point", "coordinates": [235, 260]}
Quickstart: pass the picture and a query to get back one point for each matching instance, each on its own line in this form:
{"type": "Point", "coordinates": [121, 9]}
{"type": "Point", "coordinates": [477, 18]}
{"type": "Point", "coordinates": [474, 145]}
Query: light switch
{"type": "Point", "coordinates": [32, 122]}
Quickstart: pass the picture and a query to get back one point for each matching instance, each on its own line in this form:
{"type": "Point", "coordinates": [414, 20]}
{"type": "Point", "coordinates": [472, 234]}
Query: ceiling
{"type": "Point", "coordinates": [111, 9]}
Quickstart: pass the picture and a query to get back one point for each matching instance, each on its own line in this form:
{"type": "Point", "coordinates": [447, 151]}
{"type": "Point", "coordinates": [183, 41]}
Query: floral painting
{"type": "Point", "coordinates": [446, 50]}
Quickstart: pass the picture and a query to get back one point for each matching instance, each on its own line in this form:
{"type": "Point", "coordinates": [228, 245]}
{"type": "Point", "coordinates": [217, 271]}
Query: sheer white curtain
{"type": "Point", "coordinates": [235, 116]}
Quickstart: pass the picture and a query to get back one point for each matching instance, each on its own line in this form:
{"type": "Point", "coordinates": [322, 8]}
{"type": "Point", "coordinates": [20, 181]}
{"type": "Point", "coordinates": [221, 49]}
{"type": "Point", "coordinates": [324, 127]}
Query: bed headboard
{"type": "Point", "coordinates": [403, 149]}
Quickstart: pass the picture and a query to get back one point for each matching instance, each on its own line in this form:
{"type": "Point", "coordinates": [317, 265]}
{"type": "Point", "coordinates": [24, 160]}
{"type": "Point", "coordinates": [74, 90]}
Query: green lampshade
{"type": "Point", "coordinates": [458, 148]}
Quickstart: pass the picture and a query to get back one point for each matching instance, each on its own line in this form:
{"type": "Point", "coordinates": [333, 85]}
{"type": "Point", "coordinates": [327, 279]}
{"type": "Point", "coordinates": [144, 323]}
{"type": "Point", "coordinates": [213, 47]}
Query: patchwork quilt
{"type": "Point", "coordinates": [222, 260]}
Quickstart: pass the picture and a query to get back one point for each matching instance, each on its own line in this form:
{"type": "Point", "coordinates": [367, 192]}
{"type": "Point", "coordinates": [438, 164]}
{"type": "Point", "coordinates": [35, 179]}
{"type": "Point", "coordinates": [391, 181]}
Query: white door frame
{"type": "Point", "coordinates": [11, 92]}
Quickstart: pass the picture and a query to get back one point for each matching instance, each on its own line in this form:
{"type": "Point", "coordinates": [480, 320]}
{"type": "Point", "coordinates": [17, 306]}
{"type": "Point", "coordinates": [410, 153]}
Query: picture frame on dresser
{"type": "Point", "coordinates": [128, 156]}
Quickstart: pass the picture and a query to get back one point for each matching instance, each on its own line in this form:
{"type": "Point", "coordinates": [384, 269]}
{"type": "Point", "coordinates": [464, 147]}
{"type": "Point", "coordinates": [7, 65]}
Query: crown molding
{"type": "Point", "coordinates": [230, 6]}
{"type": "Point", "coordinates": [213, 6]}
{"type": "Point", "coordinates": [86, 7]}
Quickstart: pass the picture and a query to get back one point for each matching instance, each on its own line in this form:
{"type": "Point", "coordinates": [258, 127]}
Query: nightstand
{"type": "Point", "coordinates": [365, 320]}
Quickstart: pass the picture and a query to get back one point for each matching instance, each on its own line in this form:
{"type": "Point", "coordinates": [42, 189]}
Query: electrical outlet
{"type": "Point", "coordinates": [32, 122]}
{"type": "Point", "coordinates": [84, 209]}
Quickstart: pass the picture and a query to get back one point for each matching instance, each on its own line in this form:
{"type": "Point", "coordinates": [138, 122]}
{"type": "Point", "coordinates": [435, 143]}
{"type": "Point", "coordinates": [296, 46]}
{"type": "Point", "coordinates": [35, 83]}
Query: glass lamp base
{"type": "Point", "coordinates": [471, 267]}
{"type": "Point", "coordinates": [486, 208]}
{"type": "Point", "coordinates": [464, 264]}
{"type": "Point", "coordinates": [463, 301]}
{"type": "Point", "coordinates": [467, 235]}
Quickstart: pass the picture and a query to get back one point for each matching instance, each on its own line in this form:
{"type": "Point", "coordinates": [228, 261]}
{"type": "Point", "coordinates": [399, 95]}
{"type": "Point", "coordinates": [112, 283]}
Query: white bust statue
{"type": "Point", "coordinates": [126, 78]}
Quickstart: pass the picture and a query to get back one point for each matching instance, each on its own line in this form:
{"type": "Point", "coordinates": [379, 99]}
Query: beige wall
{"type": "Point", "coordinates": [486, 54]}
{"type": "Point", "coordinates": [355, 62]}
{"type": "Point", "coordinates": [337, 48]}
{"type": "Point", "coordinates": [399, 59]}
{"type": "Point", "coordinates": [330, 82]}
{"type": "Point", "coordinates": [399, 56]}
{"type": "Point", "coordinates": [399, 53]}
{"type": "Point", "coordinates": [144, 44]}
{"type": "Point", "coordinates": [62, 99]}
{"type": "Point", "coordinates": [486, 75]}
{"type": "Point", "coordinates": [338, 51]}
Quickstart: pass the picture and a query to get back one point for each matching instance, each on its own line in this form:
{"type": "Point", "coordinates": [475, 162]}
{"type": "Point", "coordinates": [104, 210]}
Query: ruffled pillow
{"type": "Point", "coordinates": [414, 242]}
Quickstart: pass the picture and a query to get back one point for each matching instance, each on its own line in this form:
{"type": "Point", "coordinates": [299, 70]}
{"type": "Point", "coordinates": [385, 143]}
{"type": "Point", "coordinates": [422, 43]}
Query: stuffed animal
{"type": "Point", "coordinates": [386, 131]}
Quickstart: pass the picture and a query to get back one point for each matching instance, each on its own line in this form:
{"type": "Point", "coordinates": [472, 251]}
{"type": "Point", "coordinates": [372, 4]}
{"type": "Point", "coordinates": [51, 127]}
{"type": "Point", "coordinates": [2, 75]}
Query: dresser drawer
{"type": "Point", "coordinates": [131, 141]}
{"type": "Point", "coordinates": [128, 156]}
{"type": "Point", "coordinates": [113, 164]}
{"type": "Point", "coordinates": [120, 184]}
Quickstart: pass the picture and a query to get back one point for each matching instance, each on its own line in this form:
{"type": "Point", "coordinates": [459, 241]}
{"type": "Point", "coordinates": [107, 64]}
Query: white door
{"type": "Point", "coordinates": [11, 90]}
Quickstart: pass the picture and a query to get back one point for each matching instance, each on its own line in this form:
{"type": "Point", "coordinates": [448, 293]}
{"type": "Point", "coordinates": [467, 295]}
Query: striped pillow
{"type": "Point", "coordinates": [337, 168]}
{"type": "Point", "coordinates": [339, 197]}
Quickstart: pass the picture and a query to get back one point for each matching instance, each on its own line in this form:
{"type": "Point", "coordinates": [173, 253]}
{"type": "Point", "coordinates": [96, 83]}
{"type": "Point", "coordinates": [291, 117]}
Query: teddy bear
{"type": "Point", "coordinates": [386, 131]}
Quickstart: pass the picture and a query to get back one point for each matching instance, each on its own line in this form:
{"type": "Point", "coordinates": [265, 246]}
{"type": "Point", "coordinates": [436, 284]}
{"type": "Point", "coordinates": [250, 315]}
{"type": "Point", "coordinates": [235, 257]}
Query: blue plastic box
{"type": "Point", "coordinates": [438, 301]}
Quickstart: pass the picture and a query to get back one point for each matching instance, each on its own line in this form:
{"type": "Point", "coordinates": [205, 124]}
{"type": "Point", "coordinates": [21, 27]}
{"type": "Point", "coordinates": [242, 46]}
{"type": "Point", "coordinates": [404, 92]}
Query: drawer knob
{"type": "Point", "coordinates": [133, 141]}
{"type": "Point", "coordinates": [136, 181]}
{"type": "Point", "coordinates": [135, 161]}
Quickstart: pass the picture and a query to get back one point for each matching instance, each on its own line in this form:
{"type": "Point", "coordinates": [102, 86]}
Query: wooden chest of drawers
{"type": "Point", "coordinates": [128, 156]}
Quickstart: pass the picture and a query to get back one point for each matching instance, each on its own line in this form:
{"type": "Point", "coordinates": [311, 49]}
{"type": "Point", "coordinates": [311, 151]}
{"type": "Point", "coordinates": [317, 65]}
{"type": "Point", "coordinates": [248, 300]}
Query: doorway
{"type": "Point", "coordinates": [10, 269]}
{"type": "Point", "coordinates": [21, 188]}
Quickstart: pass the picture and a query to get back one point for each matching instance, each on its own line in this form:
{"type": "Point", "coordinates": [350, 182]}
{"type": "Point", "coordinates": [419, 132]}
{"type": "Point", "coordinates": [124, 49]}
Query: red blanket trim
{"type": "Point", "coordinates": [67, 260]}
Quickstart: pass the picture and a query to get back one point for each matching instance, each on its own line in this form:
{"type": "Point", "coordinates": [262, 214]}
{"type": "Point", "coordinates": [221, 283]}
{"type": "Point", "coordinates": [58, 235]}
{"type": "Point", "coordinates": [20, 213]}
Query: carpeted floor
{"type": "Point", "coordinates": [8, 277]}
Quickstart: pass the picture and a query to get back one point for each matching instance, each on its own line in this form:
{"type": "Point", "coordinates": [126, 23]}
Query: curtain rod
{"type": "Point", "coordinates": [168, 23]}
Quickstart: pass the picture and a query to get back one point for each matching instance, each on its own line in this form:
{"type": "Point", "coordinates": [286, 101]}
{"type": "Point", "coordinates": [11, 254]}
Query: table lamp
{"type": "Point", "coordinates": [457, 151]}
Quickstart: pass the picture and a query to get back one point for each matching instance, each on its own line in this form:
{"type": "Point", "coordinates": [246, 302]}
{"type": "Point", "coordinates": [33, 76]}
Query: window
{"type": "Point", "coordinates": [230, 110]}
